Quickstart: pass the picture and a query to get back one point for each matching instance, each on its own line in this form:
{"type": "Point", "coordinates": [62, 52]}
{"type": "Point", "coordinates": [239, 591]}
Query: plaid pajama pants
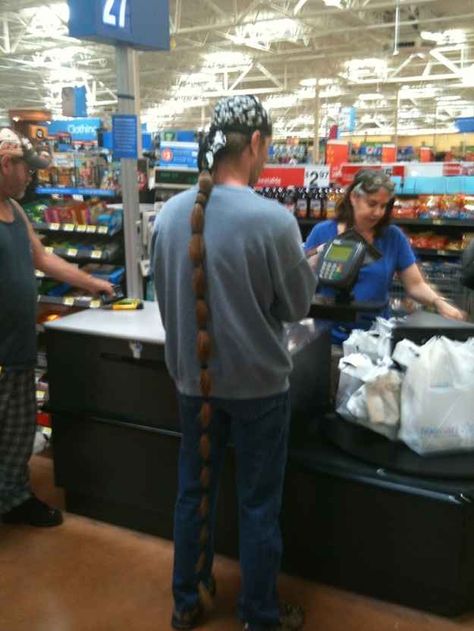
{"type": "Point", "coordinates": [17, 434]}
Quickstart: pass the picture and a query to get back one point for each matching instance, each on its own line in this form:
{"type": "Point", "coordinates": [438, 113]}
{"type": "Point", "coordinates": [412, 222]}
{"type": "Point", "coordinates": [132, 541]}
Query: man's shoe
{"type": "Point", "coordinates": [184, 620]}
{"type": "Point", "coordinates": [33, 512]}
{"type": "Point", "coordinates": [291, 619]}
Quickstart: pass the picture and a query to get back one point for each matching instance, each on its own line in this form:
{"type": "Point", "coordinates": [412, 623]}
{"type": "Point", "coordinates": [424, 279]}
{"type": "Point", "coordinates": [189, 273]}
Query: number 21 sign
{"type": "Point", "coordinates": [140, 24]}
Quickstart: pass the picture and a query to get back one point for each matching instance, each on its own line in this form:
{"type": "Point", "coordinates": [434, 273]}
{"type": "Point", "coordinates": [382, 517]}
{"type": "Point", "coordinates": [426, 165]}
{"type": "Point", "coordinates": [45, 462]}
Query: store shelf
{"type": "Point", "coordinates": [432, 252]}
{"type": "Point", "coordinates": [76, 228]}
{"type": "Point", "coordinates": [92, 192]}
{"type": "Point", "coordinates": [80, 255]}
{"type": "Point", "coordinates": [454, 223]}
{"type": "Point", "coordinates": [308, 222]}
{"type": "Point", "coordinates": [82, 302]}
{"type": "Point", "coordinates": [175, 187]}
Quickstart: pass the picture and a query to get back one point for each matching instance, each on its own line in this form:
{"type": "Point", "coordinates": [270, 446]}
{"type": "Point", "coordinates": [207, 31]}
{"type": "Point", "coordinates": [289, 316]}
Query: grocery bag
{"type": "Point", "coordinates": [437, 401]}
{"type": "Point", "coordinates": [369, 394]}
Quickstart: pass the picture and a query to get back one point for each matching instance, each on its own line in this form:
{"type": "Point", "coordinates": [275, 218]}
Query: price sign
{"type": "Point", "coordinates": [54, 226]}
{"type": "Point", "coordinates": [69, 302]}
{"type": "Point", "coordinates": [49, 250]}
{"type": "Point", "coordinates": [96, 254]}
{"type": "Point", "coordinates": [316, 176]}
{"type": "Point", "coordinates": [95, 304]}
{"type": "Point", "coordinates": [140, 24]}
{"type": "Point", "coordinates": [68, 227]}
{"type": "Point", "coordinates": [91, 229]}
{"type": "Point", "coordinates": [102, 230]}
{"type": "Point", "coordinates": [72, 252]}
{"type": "Point", "coordinates": [81, 228]}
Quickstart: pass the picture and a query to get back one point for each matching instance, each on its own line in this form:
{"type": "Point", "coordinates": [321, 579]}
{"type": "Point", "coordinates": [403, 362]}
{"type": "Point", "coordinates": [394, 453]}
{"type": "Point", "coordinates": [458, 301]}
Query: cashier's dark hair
{"type": "Point", "coordinates": [367, 182]}
{"type": "Point", "coordinates": [235, 120]}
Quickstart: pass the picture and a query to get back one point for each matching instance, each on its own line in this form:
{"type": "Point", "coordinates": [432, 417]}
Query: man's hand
{"type": "Point", "coordinates": [97, 286]}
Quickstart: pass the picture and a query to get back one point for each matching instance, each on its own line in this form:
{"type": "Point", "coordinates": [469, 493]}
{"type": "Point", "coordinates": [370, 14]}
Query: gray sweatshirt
{"type": "Point", "coordinates": [258, 278]}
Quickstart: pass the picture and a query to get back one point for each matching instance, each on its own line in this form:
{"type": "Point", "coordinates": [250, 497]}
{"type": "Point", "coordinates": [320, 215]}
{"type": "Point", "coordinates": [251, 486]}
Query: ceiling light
{"type": "Point", "coordinates": [451, 36]}
{"type": "Point", "coordinates": [339, 4]}
{"type": "Point", "coordinates": [371, 96]}
{"type": "Point", "coordinates": [370, 68]}
{"type": "Point", "coordinates": [227, 60]}
{"type": "Point", "coordinates": [308, 83]}
{"type": "Point", "coordinates": [282, 101]}
{"type": "Point", "coordinates": [262, 33]}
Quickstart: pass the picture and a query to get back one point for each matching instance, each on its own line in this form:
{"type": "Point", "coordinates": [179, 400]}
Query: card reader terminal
{"type": "Point", "coordinates": [340, 263]}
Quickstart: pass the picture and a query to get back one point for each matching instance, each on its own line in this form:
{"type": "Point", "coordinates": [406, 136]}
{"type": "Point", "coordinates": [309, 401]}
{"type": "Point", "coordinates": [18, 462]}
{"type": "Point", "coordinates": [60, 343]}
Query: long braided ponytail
{"type": "Point", "coordinates": [197, 254]}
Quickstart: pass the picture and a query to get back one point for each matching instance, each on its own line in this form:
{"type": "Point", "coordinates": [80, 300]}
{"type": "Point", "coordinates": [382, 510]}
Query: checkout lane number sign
{"type": "Point", "coordinates": [116, 13]}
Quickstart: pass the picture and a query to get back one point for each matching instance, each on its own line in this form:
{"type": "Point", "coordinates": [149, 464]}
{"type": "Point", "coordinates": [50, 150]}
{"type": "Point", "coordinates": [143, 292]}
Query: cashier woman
{"type": "Point", "coordinates": [367, 207]}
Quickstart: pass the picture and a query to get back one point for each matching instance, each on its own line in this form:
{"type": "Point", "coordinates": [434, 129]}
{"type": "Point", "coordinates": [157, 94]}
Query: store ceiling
{"type": "Point", "coordinates": [358, 50]}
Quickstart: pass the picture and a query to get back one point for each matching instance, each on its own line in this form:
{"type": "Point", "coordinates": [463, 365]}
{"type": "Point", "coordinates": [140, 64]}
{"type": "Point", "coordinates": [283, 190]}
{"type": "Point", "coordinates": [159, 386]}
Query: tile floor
{"type": "Point", "coordinates": [88, 576]}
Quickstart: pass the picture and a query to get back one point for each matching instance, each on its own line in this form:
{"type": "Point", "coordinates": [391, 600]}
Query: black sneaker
{"type": "Point", "coordinates": [184, 620]}
{"type": "Point", "coordinates": [291, 619]}
{"type": "Point", "coordinates": [33, 512]}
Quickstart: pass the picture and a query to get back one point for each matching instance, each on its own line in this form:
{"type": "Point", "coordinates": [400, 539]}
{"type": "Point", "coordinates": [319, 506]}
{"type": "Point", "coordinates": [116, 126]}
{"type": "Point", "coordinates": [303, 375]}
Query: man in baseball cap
{"type": "Point", "coordinates": [16, 146]}
{"type": "Point", "coordinates": [21, 251]}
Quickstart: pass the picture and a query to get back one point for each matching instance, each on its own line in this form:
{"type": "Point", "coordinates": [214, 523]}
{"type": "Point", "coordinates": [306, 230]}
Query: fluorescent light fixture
{"type": "Point", "coordinates": [371, 96]}
{"type": "Point", "coordinates": [370, 68]}
{"type": "Point", "coordinates": [262, 33]}
{"type": "Point", "coordinates": [282, 101]}
{"type": "Point", "coordinates": [339, 4]}
{"type": "Point", "coordinates": [451, 36]}
{"type": "Point", "coordinates": [308, 83]}
{"type": "Point", "coordinates": [226, 60]}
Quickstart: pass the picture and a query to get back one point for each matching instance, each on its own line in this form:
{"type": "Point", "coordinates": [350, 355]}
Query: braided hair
{"type": "Point", "coordinates": [235, 120]}
{"type": "Point", "coordinates": [197, 254]}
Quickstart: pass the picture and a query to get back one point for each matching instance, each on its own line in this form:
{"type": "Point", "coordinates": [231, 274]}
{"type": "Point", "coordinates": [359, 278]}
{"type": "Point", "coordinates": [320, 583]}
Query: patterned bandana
{"type": "Point", "coordinates": [240, 114]}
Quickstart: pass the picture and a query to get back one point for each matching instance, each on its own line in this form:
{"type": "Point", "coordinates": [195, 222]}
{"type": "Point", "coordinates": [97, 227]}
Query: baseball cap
{"type": "Point", "coordinates": [12, 144]}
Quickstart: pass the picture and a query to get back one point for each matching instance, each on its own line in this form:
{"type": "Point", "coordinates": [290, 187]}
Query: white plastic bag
{"type": "Point", "coordinates": [437, 411]}
{"type": "Point", "coordinates": [375, 343]}
{"type": "Point", "coordinates": [369, 395]}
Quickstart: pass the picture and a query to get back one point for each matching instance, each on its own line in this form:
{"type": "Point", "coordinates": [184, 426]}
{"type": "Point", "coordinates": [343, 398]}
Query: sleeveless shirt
{"type": "Point", "coordinates": [18, 295]}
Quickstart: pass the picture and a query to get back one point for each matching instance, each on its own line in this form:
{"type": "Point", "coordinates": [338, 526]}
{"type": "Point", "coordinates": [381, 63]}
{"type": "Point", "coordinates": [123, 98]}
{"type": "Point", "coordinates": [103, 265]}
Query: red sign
{"type": "Point", "coordinates": [389, 153]}
{"type": "Point", "coordinates": [276, 177]}
{"type": "Point", "coordinates": [167, 155]}
{"type": "Point", "coordinates": [348, 171]}
{"type": "Point", "coordinates": [337, 152]}
{"type": "Point", "coordinates": [452, 168]}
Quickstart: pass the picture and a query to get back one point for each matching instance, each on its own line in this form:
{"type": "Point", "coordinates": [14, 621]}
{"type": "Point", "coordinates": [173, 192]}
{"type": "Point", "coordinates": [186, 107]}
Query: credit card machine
{"type": "Point", "coordinates": [338, 267]}
{"type": "Point", "coordinates": [340, 262]}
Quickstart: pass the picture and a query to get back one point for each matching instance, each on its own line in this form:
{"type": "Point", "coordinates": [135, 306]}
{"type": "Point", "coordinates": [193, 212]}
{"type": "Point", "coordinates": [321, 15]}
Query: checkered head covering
{"type": "Point", "coordinates": [235, 114]}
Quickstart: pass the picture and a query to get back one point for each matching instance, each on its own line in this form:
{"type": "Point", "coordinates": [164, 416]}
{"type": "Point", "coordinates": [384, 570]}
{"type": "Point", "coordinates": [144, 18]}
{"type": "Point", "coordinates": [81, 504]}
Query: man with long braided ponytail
{"type": "Point", "coordinates": [229, 271]}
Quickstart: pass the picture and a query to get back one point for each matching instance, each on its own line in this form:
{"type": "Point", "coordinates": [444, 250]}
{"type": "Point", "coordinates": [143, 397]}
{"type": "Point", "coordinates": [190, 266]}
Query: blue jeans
{"type": "Point", "coordinates": [258, 429]}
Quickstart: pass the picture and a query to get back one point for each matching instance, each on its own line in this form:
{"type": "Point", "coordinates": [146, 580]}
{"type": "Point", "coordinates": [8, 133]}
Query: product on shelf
{"type": "Point", "coordinates": [112, 273]}
{"type": "Point", "coordinates": [94, 213]}
{"type": "Point", "coordinates": [435, 207]}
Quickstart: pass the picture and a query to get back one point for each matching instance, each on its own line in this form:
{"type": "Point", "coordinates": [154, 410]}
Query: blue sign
{"type": "Point", "coordinates": [182, 155]}
{"type": "Point", "coordinates": [347, 119]}
{"type": "Point", "coordinates": [124, 136]}
{"type": "Point", "coordinates": [81, 129]}
{"type": "Point", "coordinates": [141, 24]}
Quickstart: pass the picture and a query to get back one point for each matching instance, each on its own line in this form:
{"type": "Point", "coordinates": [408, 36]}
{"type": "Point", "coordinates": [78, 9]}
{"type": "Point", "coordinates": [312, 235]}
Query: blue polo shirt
{"type": "Point", "coordinates": [375, 280]}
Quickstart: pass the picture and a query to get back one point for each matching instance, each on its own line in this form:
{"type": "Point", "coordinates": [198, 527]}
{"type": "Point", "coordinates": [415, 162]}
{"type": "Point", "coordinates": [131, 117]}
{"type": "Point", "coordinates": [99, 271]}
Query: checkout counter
{"type": "Point", "coordinates": [390, 533]}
